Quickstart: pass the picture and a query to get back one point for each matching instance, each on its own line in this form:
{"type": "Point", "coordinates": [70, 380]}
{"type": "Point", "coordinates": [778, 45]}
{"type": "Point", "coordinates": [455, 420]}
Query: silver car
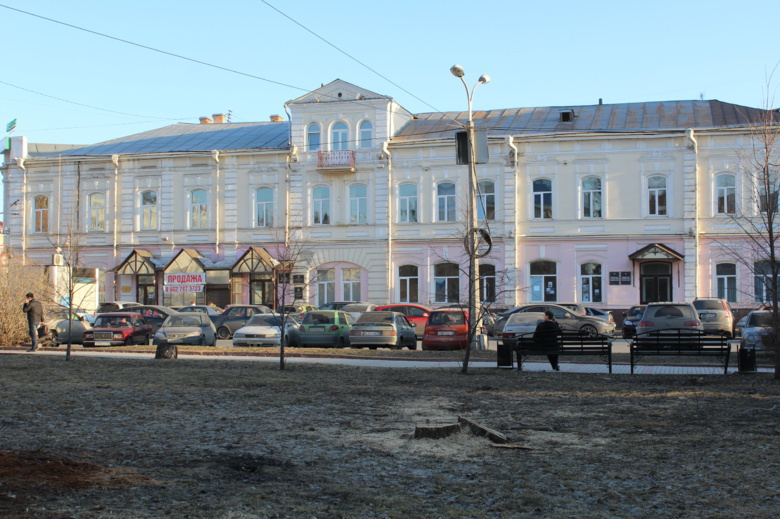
{"type": "Point", "coordinates": [194, 328]}
{"type": "Point", "coordinates": [385, 329]}
{"type": "Point", "coordinates": [567, 319]}
{"type": "Point", "coordinates": [266, 330]}
{"type": "Point", "coordinates": [758, 332]}
{"type": "Point", "coordinates": [669, 316]}
{"type": "Point", "coordinates": [715, 314]}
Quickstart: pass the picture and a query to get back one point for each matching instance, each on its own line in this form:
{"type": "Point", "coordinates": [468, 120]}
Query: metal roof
{"type": "Point", "coordinates": [601, 118]}
{"type": "Point", "coordinates": [184, 137]}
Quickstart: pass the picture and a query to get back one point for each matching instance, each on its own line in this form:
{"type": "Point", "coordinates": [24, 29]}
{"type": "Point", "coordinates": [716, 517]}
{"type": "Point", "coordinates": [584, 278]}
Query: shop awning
{"type": "Point", "coordinates": [254, 260]}
{"type": "Point", "coordinates": [138, 262]}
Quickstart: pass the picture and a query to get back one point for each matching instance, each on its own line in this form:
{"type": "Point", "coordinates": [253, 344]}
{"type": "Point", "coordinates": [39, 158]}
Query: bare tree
{"type": "Point", "coordinates": [758, 216]}
{"type": "Point", "coordinates": [15, 281]}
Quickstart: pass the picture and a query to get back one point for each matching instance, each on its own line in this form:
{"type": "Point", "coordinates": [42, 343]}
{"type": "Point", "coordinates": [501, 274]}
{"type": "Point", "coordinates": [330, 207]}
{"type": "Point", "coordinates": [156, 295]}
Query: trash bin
{"type": "Point", "coordinates": [504, 355]}
{"type": "Point", "coordinates": [746, 359]}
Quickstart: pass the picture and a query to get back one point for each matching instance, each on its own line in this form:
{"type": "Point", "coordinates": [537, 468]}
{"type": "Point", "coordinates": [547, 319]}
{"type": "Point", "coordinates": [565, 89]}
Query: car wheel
{"type": "Point", "coordinates": [202, 340]}
{"type": "Point", "coordinates": [588, 330]}
{"type": "Point", "coordinates": [398, 344]}
{"type": "Point", "coordinates": [129, 341]}
{"type": "Point", "coordinates": [341, 343]}
{"type": "Point", "coordinates": [413, 344]}
{"type": "Point", "coordinates": [286, 341]}
{"type": "Point", "coordinates": [147, 340]}
{"type": "Point", "coordinates": [223, 333]}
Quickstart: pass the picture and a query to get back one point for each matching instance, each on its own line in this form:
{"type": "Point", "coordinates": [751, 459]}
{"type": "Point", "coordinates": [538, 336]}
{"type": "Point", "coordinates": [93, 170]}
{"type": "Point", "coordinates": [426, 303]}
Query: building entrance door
{"type": "Point", "coordinates": [655, 281]}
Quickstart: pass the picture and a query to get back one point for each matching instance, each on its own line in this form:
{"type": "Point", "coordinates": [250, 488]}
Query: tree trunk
{"type": "Point", "coordinates": [166, 351]}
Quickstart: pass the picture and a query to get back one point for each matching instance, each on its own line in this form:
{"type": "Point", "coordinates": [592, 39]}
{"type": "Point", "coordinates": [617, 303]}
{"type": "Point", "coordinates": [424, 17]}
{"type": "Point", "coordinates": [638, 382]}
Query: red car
{"type": "Point", "coordinates": [446, 329]}
{"type": "Point", "coordinates": [416, 314]}
{"type": "Point", "coordinates": [118, 329]}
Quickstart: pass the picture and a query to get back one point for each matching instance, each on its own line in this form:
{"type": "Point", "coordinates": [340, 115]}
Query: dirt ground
{"type": "Point", "coordinates": [113, 438]}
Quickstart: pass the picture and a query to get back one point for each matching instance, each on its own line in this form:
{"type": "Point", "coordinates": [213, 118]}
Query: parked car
{"type": "Point", "coordinates": [234, 318]}
{"type": "Point", "coordinates": [325, 328]}
{"type": "Point", "coordinates": [191, 328]}
{"type": "Point", "coordinates": [154, 315]}
{"type": "Point", "coordinates": [577, 308]}
{"type": "Point", "coordinates": [118, 329]}
{"type": "Point", "coordinates": [598, 312]}
{"type": "Point", "coordinates": [715, 315]}
{"type": "Point", "coordinates": [568, 319]}
{"type": "Point", "coordinates": [386, 329]}
{"type": "Point", "coordinates": [520, 323]}
{"type": "Point", "coordinates": [266, 330]}
{"type": "Point", "coordinates": [669, 316]}
{"type": "Point", "coordinates": [336, 305]}
{"type": "Point", "coordinates": [446, 329]}
{"type": "Point", "coordinates": [631, 319]}
{"type": "Point", "coordinates": [68, 330]}
{"type": "Point", "coordinates": [111, 306]}
{"type": "Point", "coordinates": [740, 325]}
{"type": "Point", "coordinates": [758, 332]}
{"type": "Point", "coordinates": [356, 309]}
{"type": "Point", "coordinates": [211, 311]}
{"type": "Point", "coordinates": [416, 314]}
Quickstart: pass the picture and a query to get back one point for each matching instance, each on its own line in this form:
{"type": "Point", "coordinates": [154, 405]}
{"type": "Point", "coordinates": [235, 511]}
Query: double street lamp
{"type": "Point", "coordinates": [472, 232]}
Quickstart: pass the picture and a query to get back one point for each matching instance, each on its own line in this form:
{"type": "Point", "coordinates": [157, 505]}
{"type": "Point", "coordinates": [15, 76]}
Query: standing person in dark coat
{"type": "Point", "coordinates": [34, 311]}
{"type": "Point", "coordinates": [546, 336]}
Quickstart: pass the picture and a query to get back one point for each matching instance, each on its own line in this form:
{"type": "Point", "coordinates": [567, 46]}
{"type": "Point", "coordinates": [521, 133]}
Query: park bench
{"type": "Point", "coordinates": [570, 342]}
{"type": "Point", "coordinates": [682, 342]}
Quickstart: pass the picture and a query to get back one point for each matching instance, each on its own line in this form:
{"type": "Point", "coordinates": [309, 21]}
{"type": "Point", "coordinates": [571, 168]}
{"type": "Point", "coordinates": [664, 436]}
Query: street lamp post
{"type": "Point", "coordinates": [472, 234]}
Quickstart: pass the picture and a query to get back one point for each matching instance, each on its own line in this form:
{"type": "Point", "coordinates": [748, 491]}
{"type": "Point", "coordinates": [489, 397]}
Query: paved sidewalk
{"type": "Point", "coordinates": [539, 366]}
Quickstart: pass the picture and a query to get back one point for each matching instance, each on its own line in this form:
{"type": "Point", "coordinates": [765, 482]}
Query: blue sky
{"type": "Point", "coordinates": [538, 53]}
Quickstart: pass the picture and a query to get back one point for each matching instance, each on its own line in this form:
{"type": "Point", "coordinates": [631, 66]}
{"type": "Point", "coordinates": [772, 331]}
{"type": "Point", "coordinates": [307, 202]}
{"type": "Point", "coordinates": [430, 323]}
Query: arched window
{"type": "Point", "coordinates": [543, 208]}
{"type": "Point", "coordinates": [199, 209]}
{"type": "Point", "coordinates": [768, 199]}
{"type": "Point", "coordinates": [445, 194]}
{"type": "Point", "coordinates": [326, 286]}
{"type": "Point", "coordinates": [591, 197]}
{"type": "Point", "coordinates": [350, 280]}
{"type": "Point", "coordinates": [339, 137]}
{"type": "Point", "coordinates": [313, 137]}
{"type": "Point", "coordinates": [591, 283]}
{"type": "Point", "coordinates": [264, 203]}
{"type": "Point", "coordinates": [407, 203]}
{"type": "Point", "coordinates": [358, 204]}
{"type": "Point", "coordinates": [408, 282]}
{"type": "Point", "coordinates": [446, 283]}
{"type": "Point", "coordinates": [41, 214]}
{"type": "Point", "coordinates": [726, 280]}
{"type": "Point", "coordinates": [96, 212]}
{"type": "Point", "coordinates": [149, 211]}
{"type": "Point", "coordinates": [487, 283]}
{"type": "Point", "coordinates": [486, 201]}
{"type": "Point", "coordinates": [320, 206]}
{"type": "Point", "coordinates": [544, 281]}
{"type": "Point", "coordinates": [656, 196]}
{"type": "Point", "coordinates": [366, 135]}
{"type": "Point", "coordinates": [726, 196]}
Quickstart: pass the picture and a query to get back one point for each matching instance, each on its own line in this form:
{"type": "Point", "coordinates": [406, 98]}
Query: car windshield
{"type": "Point", "coordinates": [708, 304]}
{"type": "Point", "coordinates": [182, 320]}
{"type": "Point", "coordinates": [112, 321]}
{"type": "Point", "coordinates": [264, 320]}
{"type": "Point", "coordinates": [448, 318]}
{"type": "Point", "coordinates": [760, 320]}
{"type": "Point", "coordinates": [637, 310]}
{"type": "Point", "coordinates": [355, 308]}
{"type": "Point", "coordinates": [375, 317]}
{"type": "Point", "coordinates": [318, 318]}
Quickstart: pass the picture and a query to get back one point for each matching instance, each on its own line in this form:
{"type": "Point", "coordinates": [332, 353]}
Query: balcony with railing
{"type": "Point", "coordinates": [341, 161]}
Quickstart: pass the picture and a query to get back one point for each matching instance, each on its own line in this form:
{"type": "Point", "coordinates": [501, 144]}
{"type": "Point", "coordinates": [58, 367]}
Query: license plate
{"type": "Point", "coordinates": [102, 343]}
{"type": "Point", "coordinates": [707, 316]}
{"type": "Point", "coordinates": [372, 333]}
{"type": "Point", "coordinates": [317, 329]}
{"type": "Point", "coordinates": [446, 333]}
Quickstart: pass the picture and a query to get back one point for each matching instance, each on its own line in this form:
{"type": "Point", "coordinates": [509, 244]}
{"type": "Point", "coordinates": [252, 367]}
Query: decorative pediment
{"type": "Point", "coordinates": [335, 91]}
{"type": "Point", "coordinates": [254, 260]}
{"type": "Point", "coordinates": [655, 251]}
{"type": "Point", "coordinates": [138, 262]}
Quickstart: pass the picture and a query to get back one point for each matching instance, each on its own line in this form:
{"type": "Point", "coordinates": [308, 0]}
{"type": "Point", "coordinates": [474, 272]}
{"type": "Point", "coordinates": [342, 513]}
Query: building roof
{"type": "Point", "coordinates": [601, 118]}
{"type": "Point", "coordinates": [185, 137]}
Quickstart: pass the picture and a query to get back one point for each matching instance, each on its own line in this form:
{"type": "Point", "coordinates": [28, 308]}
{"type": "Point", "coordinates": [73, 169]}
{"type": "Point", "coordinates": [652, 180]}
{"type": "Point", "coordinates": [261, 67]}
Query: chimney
{"type": "Point", "coordinates": [276, 118]}
{"type": "Point", "coordinates": [205, 120]}
{"type": "Point", "coordinates": [219, 118]}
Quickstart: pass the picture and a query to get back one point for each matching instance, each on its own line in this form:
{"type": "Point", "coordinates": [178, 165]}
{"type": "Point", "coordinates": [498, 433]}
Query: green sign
{"type": "Point", "coordinates": [10, 126]}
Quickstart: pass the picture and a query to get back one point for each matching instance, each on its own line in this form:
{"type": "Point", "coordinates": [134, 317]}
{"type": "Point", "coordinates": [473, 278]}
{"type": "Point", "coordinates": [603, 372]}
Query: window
{"type": "Point", "coordinates": [358, 204]}
{"type": "Point", "coordinates": [321, 206]}
{"type": "Point", "coordinates": [446, 283]}
{"type": "Point", "coordinates": [96, 212]}
{"type": "Point", "coordinates": [366, 135]}
{"type": "Point", "coordinates": [408, 282]}
{"type": "Point", "coordinates": [149, 211]}
{"type": "Point", "coordinates": [544, 283]}
{"type": "Point", "coordinates": [407, 203]}
{"type": "Point", "coordinates": [445, 194]}
{"type": "Point", "coordinates": [339, 136]}
{"type": "Point", "coordinates": [763, 281]}
{"type": "Point", "coordinates": [313, 137]}
{"type": "Point", "coordinates": [487, 283]}
{"type": "Point", "coordinates": [351, 282]}
{"type": "Point", "coordinates": [486, 200]}
{"type": "Point", "coordinates": [199, 209]}
{"type": "Point", "coordinates": [591, 197]}
{"type": "Point", "coordinates": [656, 196]}
{"type": "Point", "coordinates": [591, 283]}
{"type": "Point", "coordinates": [326, 286]}
{"type": "Point", "coordinates": [726, 280]}
{"type": "Point", "coordinates": [767, 201]}
{"type": "Point", "coordinates": [542, 198]}
{"type": "Point", "coordinates": [41, 214]}
{"type": "Point", "coordinates": [726, 195]}
{"type": "Point", "coordinates": [264, 203]}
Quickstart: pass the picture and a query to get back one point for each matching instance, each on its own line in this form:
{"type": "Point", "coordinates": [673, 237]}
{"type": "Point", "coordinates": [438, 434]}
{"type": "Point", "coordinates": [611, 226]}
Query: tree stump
{"type": "Point", "coordinates": [166, 351]}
